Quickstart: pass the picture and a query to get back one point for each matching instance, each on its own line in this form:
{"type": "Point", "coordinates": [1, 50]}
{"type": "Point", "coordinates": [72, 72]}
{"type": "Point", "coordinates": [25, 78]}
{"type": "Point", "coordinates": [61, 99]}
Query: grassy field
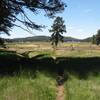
{"type": "Point", "coordinates": [24, 87]}
{"type": "Point", "coordinates": [80, 89]}
{"type": "Point", "coordinates": [63, 49]}
{"type": "Point", "coordinates": [80, 61]}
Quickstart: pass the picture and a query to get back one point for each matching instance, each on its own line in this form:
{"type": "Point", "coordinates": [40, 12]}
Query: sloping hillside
{"type": "Point", "coordinates": [39, 38]}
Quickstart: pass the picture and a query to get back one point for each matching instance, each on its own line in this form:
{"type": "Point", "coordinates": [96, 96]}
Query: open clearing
{"type": "Point", "coordinates": [63, 49]}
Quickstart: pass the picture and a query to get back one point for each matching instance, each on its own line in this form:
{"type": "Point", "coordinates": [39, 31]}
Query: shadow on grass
{"type": "Point", "coordinates": [81, 67]}
{"type": "Point", "coordinates": [11, 62]}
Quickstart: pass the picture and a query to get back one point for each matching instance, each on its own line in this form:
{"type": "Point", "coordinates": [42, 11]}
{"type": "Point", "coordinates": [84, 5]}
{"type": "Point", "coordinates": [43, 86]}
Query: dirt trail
{"type": "Point", "coordinates": [60, 92]}
{"type": "Point", "coordinates": [60, 87]}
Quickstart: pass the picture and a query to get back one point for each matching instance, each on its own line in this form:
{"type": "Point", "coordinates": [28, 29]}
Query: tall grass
{"type": "Point", "coordinates": [80, 89]}
{"type": "Point", "coordinates": [24, 87]}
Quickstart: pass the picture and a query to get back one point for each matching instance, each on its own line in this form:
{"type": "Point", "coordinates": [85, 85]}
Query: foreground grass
{"type": "Point", "coordinates": [80, 89]}
{"type": "Point", "coordinates": [27, 88]}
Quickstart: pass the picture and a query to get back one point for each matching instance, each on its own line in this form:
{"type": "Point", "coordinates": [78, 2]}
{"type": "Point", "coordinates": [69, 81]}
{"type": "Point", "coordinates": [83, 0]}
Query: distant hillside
{"type": "Point", "coordinates": [89, 39]}
{"type": "Point", "coordinates": [71, 39]}
{"type": "Point", "coordinates": [47, 39]}
{"type": "Point", "coordinates": [30, 39]}
{"type": "Point", "coordinates": [40, 39]}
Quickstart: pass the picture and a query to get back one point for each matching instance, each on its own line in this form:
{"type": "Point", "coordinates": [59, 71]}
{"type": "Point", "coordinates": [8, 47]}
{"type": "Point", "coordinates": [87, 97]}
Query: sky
{"type": "Point", "coordinates": [82, 20]}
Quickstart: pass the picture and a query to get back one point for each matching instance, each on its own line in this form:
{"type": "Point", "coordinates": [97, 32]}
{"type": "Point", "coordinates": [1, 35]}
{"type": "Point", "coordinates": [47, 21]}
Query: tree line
{"type": "Point", "coordinates": [96, 38]}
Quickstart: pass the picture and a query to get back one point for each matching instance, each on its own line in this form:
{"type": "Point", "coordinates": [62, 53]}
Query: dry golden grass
{"type": "Point", "coordinates": [63, 49]}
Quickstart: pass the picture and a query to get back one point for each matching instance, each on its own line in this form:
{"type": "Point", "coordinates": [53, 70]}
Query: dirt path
{"type": "Point", "coordinates": [60, 92]}
{"type": "Point", "coordinates": [60, 87]}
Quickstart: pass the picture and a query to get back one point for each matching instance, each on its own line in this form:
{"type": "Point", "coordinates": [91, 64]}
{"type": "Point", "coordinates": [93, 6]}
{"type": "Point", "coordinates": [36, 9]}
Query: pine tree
{"type": "Point", "coordinates": [98, 37]}
{"type": "Point", "coordinates": [9, 9]}
{"type": "Point", "coordinates": [57, 29]}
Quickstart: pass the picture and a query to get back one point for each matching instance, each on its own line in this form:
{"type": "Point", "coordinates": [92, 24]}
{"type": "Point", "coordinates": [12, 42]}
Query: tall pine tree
{"type": "Point", "coordinates": [57, 29]}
